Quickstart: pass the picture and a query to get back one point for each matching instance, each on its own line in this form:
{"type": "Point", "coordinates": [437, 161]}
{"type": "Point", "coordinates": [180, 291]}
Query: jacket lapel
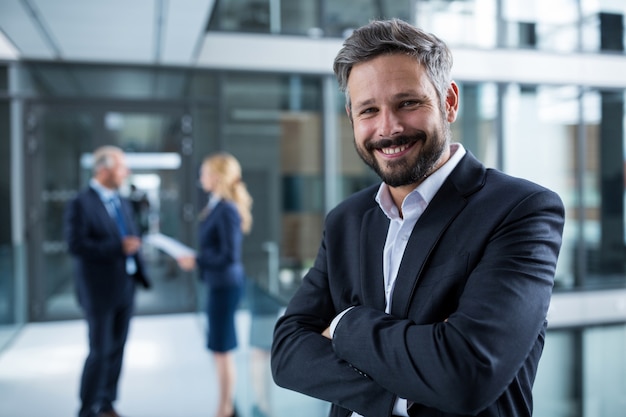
{"type": "Point", "coordinates": [373, 231]}
{"type": "Point", "coordinates": [449, 201]}
{"type": "Point", "coordinates": [427, 231]}
{"type": "Point", "coordinates": [103, 213]}
{"type": "Point", "coordinates": [127, 213]}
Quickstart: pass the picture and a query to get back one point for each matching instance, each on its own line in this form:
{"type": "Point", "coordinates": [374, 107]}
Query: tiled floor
{"type": "Point", "coordinates": [167, 372]}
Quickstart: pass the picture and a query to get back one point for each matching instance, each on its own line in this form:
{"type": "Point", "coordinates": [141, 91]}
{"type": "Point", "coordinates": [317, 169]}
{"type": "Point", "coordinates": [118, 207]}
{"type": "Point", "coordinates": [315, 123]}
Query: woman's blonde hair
{"type": "Point", "coordinates": [230, 186]}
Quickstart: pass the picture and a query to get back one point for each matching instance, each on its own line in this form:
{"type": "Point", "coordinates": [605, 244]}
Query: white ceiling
{"type": "Point", "coordinates": [168, 32]}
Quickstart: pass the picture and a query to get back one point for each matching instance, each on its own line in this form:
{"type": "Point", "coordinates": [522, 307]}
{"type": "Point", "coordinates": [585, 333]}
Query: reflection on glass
{"type": "Point", "coordinates": [459, 23]}
{"type": "Point", "coordinates": [8, 249]}
{"type": "Point", "coordinates": [603, 369]}
{"type": "Point", "coordinates": [581, 373]}
{"type": "Point", "coordinates": [556, 390]}
{"type": "Point", "coordinates": [549, 25]}
{"type": "Point", "coordinates": [602, 25]}
{"type": "Point", "coordinates": [475, 126]}
{"type": "Point", "coordinates": [66, 137]}
{"type": "Point", "coordinates": [539, 134]}
{"type": "Point", "coordinates": [272, 124]}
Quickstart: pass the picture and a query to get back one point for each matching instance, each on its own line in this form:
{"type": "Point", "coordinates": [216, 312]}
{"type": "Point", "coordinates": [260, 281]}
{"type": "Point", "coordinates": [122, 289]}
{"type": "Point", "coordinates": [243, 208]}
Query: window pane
{"type": "Point", "coordinates": [539, 134]}
{"type": "Point", "coordinates": [241, 16]}
{"type": "Point", "coordinates": [604, 365]}
{"type": "Point", "coordinates": [603, 221]}
{"type": "Point", "coordinates": [273, 125]}
{"type": "Point", "coordinates": [475, 126]}
{"type": "Point", "coordinates": [8, 275]}
{"type": "Point", "coordinates": [459, 23]}
{"type": "Point", "coordinates": [556, 392]}
{"type": "Point", "coordinates": [603, 25]}
{"type": "Point", "coordinates": [550, 25]}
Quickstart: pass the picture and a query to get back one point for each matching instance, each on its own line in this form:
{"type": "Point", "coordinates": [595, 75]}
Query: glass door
{"type": "Point", "coordinates": [59, 142]}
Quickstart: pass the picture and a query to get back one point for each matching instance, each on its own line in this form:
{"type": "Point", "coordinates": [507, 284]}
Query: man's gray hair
{"type": "Point", "coordinates": [395, 36]}
{"type": "Point", "coordinates": [104, 157]}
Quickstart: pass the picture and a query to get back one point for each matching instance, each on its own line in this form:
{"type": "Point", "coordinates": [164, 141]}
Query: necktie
{"type": "Point", "coordinates": [131, 266]}
{"type": "Point", "coordinates": [119, 217]}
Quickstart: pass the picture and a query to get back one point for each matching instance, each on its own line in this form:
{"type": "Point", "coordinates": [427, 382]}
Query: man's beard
{"type": "Point", "coordinates": [405, 171]}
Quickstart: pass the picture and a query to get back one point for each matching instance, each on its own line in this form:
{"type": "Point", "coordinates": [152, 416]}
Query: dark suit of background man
{"type": "Point", "coordinates": [107, 266]}
{"type": "Point", "coordinates": [429, 293]}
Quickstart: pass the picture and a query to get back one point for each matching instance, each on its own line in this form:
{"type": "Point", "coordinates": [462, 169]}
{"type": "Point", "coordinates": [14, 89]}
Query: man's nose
{"type": "Point", "coordinates": [390, 124]}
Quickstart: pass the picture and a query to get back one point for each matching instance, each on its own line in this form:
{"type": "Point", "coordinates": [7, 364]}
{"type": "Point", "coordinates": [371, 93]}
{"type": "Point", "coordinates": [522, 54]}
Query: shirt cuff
{"type": "Point", "coordinates": [335, 322]}
{"type": "Point", "coordinates": [400, 408]}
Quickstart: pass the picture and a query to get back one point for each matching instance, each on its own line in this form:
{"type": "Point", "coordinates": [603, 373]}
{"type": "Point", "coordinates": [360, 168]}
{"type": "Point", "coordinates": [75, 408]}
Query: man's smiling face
{"type": "Point", "coordinates": [400, 128]}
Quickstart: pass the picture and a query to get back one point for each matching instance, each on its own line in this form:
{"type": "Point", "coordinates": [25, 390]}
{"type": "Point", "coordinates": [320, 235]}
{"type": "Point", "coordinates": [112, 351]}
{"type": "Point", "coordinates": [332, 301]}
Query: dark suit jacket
{"type": "Point", "coordinates": [219, 254]}
{"type": "Point", "coordinates": [467, 325]}
{"type": "Point", "coordinates": [94, 240]}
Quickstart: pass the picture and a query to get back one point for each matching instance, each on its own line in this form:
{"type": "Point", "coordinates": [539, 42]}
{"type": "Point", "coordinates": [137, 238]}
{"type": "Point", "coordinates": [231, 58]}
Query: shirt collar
{"type": "Point", "coordinates": [423, 193]}
{"type": "Point", "coordinates": [106, 194]}
{"type": "Point", "coordinates": [213, 201]}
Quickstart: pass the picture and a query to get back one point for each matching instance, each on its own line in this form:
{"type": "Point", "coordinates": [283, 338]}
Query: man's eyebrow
{"type": "Point", "coordinates": [411, 94]}
{"type": "Point", "coordinates": [364, 103]}
{"type": "Point", "coordinates": [400, 96]}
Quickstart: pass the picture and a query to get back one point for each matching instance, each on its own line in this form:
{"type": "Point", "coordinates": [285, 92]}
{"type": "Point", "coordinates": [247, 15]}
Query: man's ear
{"type": "Point", "coordinates": [349, 112]}
{"type": "Point", "coordinates": [452, 102]}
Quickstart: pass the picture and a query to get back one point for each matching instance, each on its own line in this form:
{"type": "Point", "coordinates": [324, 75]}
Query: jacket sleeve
{"type": "Point", "coordinates": [219, 243]}
{"type": "Point", "coordinates": [304, 361]}
{"type": "Point", "coordinates": [88, 236]}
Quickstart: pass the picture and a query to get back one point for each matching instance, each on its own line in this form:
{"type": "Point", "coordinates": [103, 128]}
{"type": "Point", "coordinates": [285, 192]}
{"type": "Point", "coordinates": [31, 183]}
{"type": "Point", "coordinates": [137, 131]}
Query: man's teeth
{"type": "Point", "coordinates": [394, 150]}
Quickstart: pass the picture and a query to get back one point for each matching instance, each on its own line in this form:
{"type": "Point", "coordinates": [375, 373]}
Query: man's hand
{"type": "Point", "coordinates": [131, 245]}
{"type": "Point", "coordinates": [326, 333]}
{"type": "Point", "coordinates": [186, 263]}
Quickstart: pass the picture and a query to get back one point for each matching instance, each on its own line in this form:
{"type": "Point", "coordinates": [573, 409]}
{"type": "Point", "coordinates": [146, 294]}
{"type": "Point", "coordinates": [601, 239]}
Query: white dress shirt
{"type": "Point", "coordinates": [400, 229]}
{"type": "Point", "coordinates": [109, 198]}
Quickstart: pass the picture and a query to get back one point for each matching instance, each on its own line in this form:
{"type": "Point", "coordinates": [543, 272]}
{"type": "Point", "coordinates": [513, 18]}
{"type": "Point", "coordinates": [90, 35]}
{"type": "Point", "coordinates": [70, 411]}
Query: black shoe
{"type": "Point", "coordinates": [109, 413]}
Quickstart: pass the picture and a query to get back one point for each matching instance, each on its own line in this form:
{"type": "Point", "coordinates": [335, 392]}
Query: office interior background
{"type": "Point", "coordinates": [542, 97]}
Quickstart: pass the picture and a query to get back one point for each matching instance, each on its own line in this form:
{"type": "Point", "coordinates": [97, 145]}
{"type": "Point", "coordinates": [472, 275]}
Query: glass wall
{"type": "Point", "coordinates": [604, 386]}
{"type": "Point", "coordinates": [556, 26]}
{"type": "Point", "coordinates": [460, 23]}
{"type": "Point", "coordinates": [57, 165]}
{"type": "Point", "coordinates": [581, 373]}
{"type": "Point", "coordinates": [271, 123]}
{"type": "Point", "coordinates": [78, 108]}
{"type": "Point", "coordinates": [602, 25]}
{"type": "Point", "coordinates": [603, 222]}
{"type": "Point", "coordinates": [308, 18]}
{"type": "Point", "coordinates": [8, 319]}
{"type": "Point", "coordinates": [543, 25]}
{"type": "Point", "coordinates": [538, 139]}
{"type": "Point", "coordinates": [557, 389]}
{"type": "Point", "coordinates": [477, 124]}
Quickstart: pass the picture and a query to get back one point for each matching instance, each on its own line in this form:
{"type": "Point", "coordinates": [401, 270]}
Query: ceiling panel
{"type": "Point", "coordinates": [184, 30]}
{"type": "Point", "coordinates": [112, 30]}
{"type": "Point", "coordinates": [7, 50]}
{"type": "Point", "coordinates": [117, 31]}
{"type": "Point", "coordinates": [21, 30]}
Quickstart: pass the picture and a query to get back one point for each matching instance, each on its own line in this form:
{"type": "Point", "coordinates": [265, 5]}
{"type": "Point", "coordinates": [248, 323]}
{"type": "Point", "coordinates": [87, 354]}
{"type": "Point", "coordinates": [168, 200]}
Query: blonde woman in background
{"type": "Point", "coordinates": [223, 222]}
